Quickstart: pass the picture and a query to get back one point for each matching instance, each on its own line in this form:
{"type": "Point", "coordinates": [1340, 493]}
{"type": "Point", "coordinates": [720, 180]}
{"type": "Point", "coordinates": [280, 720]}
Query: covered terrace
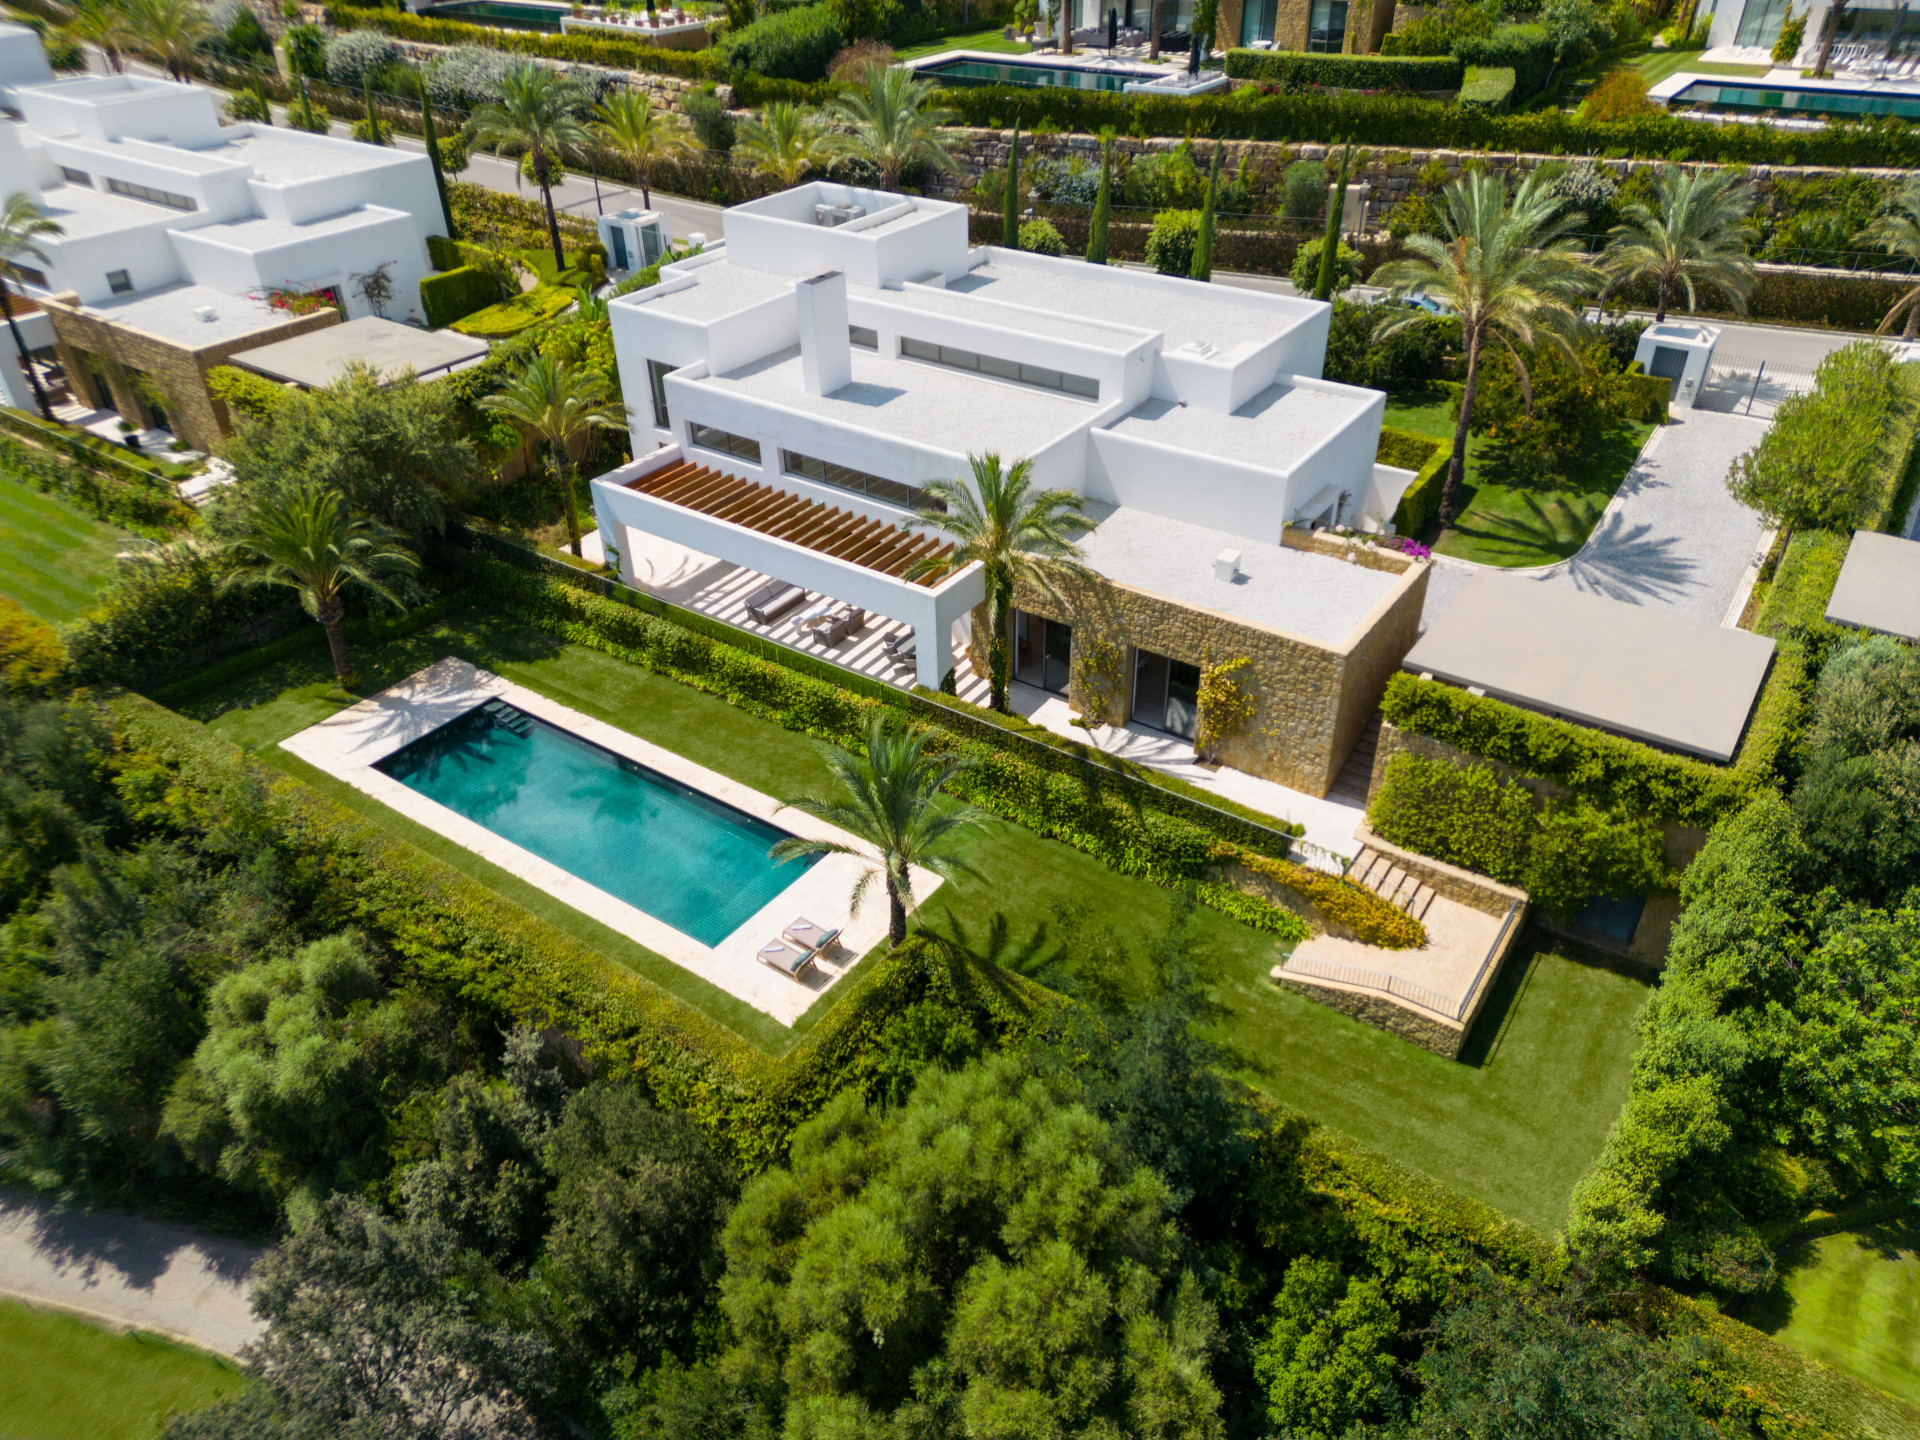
{"type": "Point", "coordinates": [729, 547]}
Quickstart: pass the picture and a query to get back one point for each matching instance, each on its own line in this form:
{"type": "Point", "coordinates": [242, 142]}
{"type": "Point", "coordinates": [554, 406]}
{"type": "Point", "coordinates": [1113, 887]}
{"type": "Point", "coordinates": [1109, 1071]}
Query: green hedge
{"type": "Point", "coordinates": [621, 54]}
{"type": "Point", "coordinates": [1085, 805]}
{"type": "Point", "coordinates": [1653, 393]}
{"type": "Point", "coordinates": [1339, 901]}
{"type": "Point", "coordinates": [1527, 50]}
{"type": "Point", "coordinates": [1488, 86]}
{"type": "Point", "coordinates": [511, 317]}
{"type": "Point", "coordinates": [1427, 458]}
{"type": "Point", "coordinates": [795, 44]}
{"type": "Point", "coordinates": [444, 253]}
{"type": "Point", "coordinates": [1346, 72]}
{"type": "Point", "coordinates": [96, 452]}
{"type": "Point", "coordinates": [1803, 583]}
{"type": "Point", "coordinates": [246, 395]}
{"type": "Point", "coordinates": [455, 294]}
{"type": "Point", "coordinates": [1393, 121]}
{"type": "Point", "coordinates": [1832, 299]}
{"type": "Point", "coordinates": [133, 500]}
{"type": "Point", "coordinates": [1606, 769]}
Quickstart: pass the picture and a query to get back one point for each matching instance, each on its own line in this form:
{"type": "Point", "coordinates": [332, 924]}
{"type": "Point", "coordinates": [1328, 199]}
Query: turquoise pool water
{"type": "Point", "coordinates": [1786, 99]}
{"type": "Point", "coordinates": [1012, 72]}
{"type": "Point", "coordinates": [681, 856]}
{"type": "Point", "coordinates": [511, 17]}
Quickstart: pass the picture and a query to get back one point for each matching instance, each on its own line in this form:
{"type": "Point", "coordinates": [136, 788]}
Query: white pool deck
{"type": "Point", "coordinates": [348, 746]}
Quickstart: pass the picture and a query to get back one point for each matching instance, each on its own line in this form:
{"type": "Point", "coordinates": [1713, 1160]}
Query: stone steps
{"type": "Point", "coordinates": [1357, 774]}
{"type": "Point", "coordinates": [1392, 884]}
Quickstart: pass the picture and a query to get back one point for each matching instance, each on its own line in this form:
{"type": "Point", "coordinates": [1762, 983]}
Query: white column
{"type": "Point", "coordinates": [613, 535]}
{"type": "Point", "coordinates": [933, 653]}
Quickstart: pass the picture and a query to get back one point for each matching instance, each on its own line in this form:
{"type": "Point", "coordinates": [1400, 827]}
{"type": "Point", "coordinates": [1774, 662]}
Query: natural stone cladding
{"type": "Point", "coordinates": [194, 413]}
{"type": "Point", "coordinates": [1311, 699]}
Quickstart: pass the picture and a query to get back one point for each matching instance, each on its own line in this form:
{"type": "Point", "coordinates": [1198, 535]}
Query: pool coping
{"type": "Point", "coordinates": [350, 743]}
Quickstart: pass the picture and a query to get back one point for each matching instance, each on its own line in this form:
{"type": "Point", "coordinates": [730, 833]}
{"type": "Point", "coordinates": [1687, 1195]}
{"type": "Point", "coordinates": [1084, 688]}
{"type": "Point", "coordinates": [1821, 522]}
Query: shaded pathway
{"type": "Point", "coordinates": [128, 1270]}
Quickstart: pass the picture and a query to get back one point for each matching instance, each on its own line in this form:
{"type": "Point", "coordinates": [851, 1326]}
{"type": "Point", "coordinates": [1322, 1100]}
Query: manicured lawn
{"type": "Point", "coordinates": [987, 38]}
{"type": "Point", "coordinates": [1852, 1301]}
{"type": "Point", "coordinates": [1657, 65]}
{"type": "Point", "coordinates": [63, 1379]}
{"type": "Point", "coordinates": [53, 558]}
{"type": "Point", "coordinates": [1515, 1124]}
{"type": "Point", "coordinates": [1527, 523]}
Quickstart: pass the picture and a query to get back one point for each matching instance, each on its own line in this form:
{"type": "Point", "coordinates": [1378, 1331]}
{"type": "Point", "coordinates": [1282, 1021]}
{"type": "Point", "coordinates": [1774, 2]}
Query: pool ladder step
{"type": "Point", "coordinates": [508, 718]}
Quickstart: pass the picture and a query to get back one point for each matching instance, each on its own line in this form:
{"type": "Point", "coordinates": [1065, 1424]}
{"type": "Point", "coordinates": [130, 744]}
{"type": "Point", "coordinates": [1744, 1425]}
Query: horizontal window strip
{"type": "Point", "coordinates": [1080, 386]}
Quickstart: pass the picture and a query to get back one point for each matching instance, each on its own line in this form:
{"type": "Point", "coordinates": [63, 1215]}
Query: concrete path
{"type": "Point", "coordinates": [129, 1271]}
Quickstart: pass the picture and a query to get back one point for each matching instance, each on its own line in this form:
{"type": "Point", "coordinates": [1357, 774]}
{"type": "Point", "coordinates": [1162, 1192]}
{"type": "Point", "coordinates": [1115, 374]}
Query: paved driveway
{"type": "Point", "coordinates": [129, 1271]}
{"type": "Point", "coordinates": [1673, 538]}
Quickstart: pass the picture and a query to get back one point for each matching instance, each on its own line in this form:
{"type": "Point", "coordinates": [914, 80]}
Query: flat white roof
{"type": "Point", "coordinates": [1055, 324]}
{"type": "Point", "coordinates": [1276, 429]}
{"type": "Point", "coordinates": [948, 409]}
{"type": "Point", "coordinates": [82, 211]}
{"type": "Point", "coordinates": [1682, 684]}
{"type": "Point", "coordinates": [282, 157]}
{"type": "Point", "coordinates": [1304, 594]}
{"type": "Point", "coordinates": [320, 357]}
{"type": "Point", "coordinates": [717, 289]}
{"type": "Point", "coordinates": [260, 232]}
{"type": "Point", "coordinates": [1190, 312]}
{"type": "Point", "coordinates": [169, 313]}
{"type": "Point", "coordinates": [1879, 586]}
{"type": "Point", "coordinates": [209, 161]}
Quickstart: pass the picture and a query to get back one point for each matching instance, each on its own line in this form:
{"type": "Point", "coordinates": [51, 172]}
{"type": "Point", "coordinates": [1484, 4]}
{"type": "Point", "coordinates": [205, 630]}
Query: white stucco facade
{"type": "Point", "coordinates": [151, 190]}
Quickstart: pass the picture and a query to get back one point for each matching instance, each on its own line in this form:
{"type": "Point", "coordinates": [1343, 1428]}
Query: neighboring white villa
{"type": "Point", "coordinates": [804, 379]}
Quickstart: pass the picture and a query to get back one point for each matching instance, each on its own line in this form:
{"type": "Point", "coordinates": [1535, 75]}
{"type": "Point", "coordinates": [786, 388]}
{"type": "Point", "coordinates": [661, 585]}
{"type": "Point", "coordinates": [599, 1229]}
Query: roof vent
{"type": "Point", "coordinates": [207, 314]}
{"type": "Point", "coordinates": [1226, 566]}
{"type": "Point", "coordinates": [831, 215]}
{"type": "Point", "coordinates": [1196, 349]}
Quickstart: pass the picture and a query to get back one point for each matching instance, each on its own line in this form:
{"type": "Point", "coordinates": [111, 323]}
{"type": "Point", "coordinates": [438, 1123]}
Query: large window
{"type": "Point", "coordinates": [845, 477]}
{"type": "Point", "coordinates": [1256, 20]}
{"type": "Point", "coordinates": [657, 383]}
{"type": "Point", "coordinates": [1327, 27]}
{"type": "Point", "coordinates": [1076, 385]}
{"type": "Point", "coordinates": [708, 438]}
{"type": "Point", "coordinates": [864, 336]}
{"type": "Point", "coordinates": [1760, 22]}
{"type": "Point", "coordinates": [28, 273]}
{"type": "Point", "coordinates": [1166, 694]}
{"type": "Point", "coordinates": [158, 197]}
{"type": "Point", "coordinates": [76, 177]}
{"type": "Point", "coordinates": [1042, 651]}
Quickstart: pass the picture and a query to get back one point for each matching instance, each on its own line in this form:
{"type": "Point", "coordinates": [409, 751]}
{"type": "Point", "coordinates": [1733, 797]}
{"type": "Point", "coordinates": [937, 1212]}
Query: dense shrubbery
{"type": "Point", "coordinates": [1346, 72]}
{"type": "Point", "coordinates": [592, 48]}
{"type": "Point", "coordinates": [1562, 854]}
{"type": "Point", "coordinates": [1572, 401]}
{"type": "Point", "coordinates": [125, 495]}
{"type": "Point", "coordinates": [1527, 50]}
{"type": "Point", "coordinates": [1415, 356]}
{"type": "Point", "coordinates": [455, 294]}
{"type": "Point", "coordinates": [791, 44]}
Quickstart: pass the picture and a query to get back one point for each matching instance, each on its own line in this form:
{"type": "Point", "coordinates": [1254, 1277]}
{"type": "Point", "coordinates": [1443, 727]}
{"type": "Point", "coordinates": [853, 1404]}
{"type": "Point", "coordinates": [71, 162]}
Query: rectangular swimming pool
{"type": "Point", "coordinates": [1813, 102]}
{"type": "Point", "coordinates": [685, 858]}
{"type": "Point", "coordinates": [1008, 72]}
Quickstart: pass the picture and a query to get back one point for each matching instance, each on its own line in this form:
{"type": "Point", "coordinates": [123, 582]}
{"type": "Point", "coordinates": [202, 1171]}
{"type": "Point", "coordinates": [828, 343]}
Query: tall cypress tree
{"type": "Point", "coordinates": [1010, 222]}
{"type": "Point", "coordinates": [1097, 231]}
{"type": "Point", "coordinates": [1203, 246]}
{"type": "Point", "coordinates": [433, 154]}
{"type": "Point", "coordinates": [1330, 242]}
{"type": "Point", "coordinates": [373, 120]}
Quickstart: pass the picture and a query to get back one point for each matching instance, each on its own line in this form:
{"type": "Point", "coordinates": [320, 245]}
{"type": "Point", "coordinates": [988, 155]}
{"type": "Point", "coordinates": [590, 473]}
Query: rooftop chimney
{"type": "Point", "coordinates": [826, 355]}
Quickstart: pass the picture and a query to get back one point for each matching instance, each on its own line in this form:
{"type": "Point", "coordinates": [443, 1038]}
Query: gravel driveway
{"type": "Point", "coordinates": [128, 1270]}
{"type": "Point", "coordinates": [1673, 538]}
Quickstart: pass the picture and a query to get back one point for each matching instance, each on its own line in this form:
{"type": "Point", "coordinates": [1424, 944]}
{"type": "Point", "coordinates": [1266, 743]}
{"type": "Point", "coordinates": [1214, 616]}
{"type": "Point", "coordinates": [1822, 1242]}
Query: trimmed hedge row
{"type": "Point", "coordinates": [1606, 769]}
{"type": "Point", "coordinates": [457, 293]}
{"type": "Point", "coordinates": [1083, 805]}
{"type": "Point", "coordinates": [1527, 50]}
{"type": "Point", "coordinates": [611, 51]}
{"type": "Point", "coordinates": [1347, 72]}
{"type": "Point", "coordinates": [96, 452]}
{"type": "Point", "coordinates": [1427, 458]}
{"type": "Point", "coordinates": [134, 500]}
{"type": "Point", "coordinates": [1383, 120]}
{"type": "Point", "coordinates": [1803, 583]}
{"type": "Point", "coordinates": [1831, 298]}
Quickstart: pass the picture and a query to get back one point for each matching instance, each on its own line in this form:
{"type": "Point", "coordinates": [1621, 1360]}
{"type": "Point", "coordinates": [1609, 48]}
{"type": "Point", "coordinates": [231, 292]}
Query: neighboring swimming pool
{"type": "Point", "coordinates": [1012, 72]}
{"type": "Point", "coordinates": [1815, 103]}
{"type": "Point", "coordinates": [686, 859]}
{"type": "Point", "coordinates": [513, 14]}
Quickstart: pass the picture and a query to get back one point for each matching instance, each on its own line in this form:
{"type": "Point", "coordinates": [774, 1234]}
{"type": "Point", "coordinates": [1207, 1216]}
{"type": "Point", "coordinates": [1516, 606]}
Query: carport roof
{"type": "Point", "coordinates": [1677, 683]}
{"type": "Point", "coordinates": [318, 358]}
{"type": "Point", "coordinates": [1879, 586]}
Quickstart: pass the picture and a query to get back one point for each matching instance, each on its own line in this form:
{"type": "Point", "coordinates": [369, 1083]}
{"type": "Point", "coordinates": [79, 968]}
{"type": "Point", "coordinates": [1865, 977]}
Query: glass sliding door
{"type": "Point", "coordinates": [1256, 21]}
{"type": "Point", "coordinates": [1166, 694]}
{"type": "Point", "coordinates": [1327, 26]}
{"type": "Point", "coordinates": [1042, 651]}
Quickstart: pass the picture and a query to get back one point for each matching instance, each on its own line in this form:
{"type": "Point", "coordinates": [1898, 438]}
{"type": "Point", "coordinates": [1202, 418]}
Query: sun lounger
{"type": "Point", "coordinates": [809, 936]}
{"type": "Point", "coordinates": [774, 599]}
{"type": "Point", "coordinates": [787, 959]}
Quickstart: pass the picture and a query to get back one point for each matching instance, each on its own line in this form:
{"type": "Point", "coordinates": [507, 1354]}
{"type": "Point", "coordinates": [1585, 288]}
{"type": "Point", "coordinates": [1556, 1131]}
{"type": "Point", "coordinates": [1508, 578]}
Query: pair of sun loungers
{"type": "Point", "coordinates": [797, 946]}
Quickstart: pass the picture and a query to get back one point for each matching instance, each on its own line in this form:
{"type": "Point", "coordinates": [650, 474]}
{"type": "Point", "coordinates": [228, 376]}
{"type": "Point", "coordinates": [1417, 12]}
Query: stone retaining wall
{"type": "Point", "coordinates": [1463, 887]}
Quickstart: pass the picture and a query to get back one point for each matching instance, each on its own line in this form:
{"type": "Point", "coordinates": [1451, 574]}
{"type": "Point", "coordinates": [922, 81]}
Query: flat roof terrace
{"type": "Point", "coordinates": [1681, 684]}
{"type": "Point", "coordinates": [706, 292]}
{"type": "Point", "coordinates": [920, 402]}
{"type": "Point", "coordinates": [1276, 429]}
{"type": "Point", "coordinates": [1879, 586]}
{"type": "Point", "coordinates": [179, 314]}
{"type": "Point", "coordinates": [1312, 596]}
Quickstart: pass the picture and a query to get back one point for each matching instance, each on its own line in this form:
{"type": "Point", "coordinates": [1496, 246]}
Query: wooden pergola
{"type": "Point", "coordinates": [827, 529]}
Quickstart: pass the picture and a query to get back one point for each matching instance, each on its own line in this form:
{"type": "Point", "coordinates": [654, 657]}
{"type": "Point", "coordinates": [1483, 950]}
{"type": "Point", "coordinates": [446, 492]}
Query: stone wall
{"type": "Point", "coordinates": [1463, 887]}
{"type": "Point", "coordinates": [1367, 21]}
{"type": "Point", "coordinates": [1679, 843]}
{"type": "Point", "coordinates": [1444, 1038]}
{"type": "Point", "coordinates": [195, 414]}
{"type": "Point", "coordinates": [1312, 700]}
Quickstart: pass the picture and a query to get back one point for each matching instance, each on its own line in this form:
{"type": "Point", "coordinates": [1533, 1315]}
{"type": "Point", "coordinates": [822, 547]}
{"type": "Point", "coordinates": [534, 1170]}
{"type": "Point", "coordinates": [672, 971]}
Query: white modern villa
{"type": "Point", "coordinates": [176, 230]}
{"type": "Point", "coordinates": [802, 381]}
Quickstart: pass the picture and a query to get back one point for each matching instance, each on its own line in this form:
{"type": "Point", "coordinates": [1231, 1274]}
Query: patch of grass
{"type": "Point", "coordinates": [988, 38]}
{"type": "Point", "coordinates": [1515, 1125]}
{"type": "Point", "coordinates": [1525, 522]}
{"type": "Point", "coordinates": [53, 558]}
{"type": "Point", "coordinates": [1852, 1301]}
{"type": "Point", "coordinates": [63, 1379]}
{"type": "Point", "coordinates": [1658, 65]}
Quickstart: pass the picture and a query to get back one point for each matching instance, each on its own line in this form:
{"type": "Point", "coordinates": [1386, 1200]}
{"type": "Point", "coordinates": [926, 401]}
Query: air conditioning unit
{"type": "Point", "coordinates": [832, 215]}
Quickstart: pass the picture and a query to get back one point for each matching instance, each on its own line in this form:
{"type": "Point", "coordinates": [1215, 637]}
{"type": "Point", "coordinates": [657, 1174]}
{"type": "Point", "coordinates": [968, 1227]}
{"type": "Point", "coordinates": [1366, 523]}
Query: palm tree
{"type": "Point", "coordinates": [21, 223]}
{"type": "Point", "coordinates": [105, 26]}
{"type": "Point", "coordinates": [560, 403]}
{"type": "Point", "coordinates": [303, 538]}
{"type": "Point", "coordinates": [1509, 272]}
{"type": "Point", "coordinates": [1695, 230]}
{"type": "Point", "coordinates": [894, 124]}
{"type": "Point", "coordinates": [1898, 233]}
{"type": "Point", "coordinates": [1016, 533]}
{"type": "Point", "coordinates": [536, 111]}
{"type": "Point", "coordinates": [892, 804]}
{"type": "Point", "coordinates": [631, 127]}
{"type": "Point", "coordinates": [786, 142]}
{"type": "Point", "coordinates": [171, 29]}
